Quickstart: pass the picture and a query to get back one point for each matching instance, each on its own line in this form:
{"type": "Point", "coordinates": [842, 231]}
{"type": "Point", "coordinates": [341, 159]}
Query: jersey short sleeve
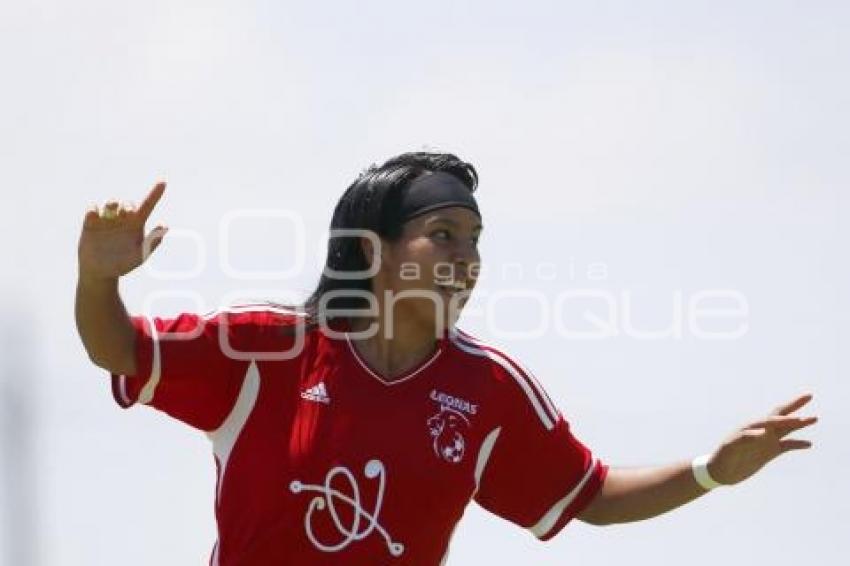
{"type": "Point", "coordinates": [192, 366]}
{"type": "Point", "coordinates": [538, 475]}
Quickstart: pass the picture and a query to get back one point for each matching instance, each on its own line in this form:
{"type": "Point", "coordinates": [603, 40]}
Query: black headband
{"type": "Point", "coordinates": [434, 191]}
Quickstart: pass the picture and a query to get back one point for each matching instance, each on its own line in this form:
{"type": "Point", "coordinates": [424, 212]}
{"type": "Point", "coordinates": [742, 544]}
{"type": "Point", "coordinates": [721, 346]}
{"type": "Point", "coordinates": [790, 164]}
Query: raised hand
{"type": "Point", "coordinates": [113, 240]}
{"type": "Point", "coordinates": [748, 449]}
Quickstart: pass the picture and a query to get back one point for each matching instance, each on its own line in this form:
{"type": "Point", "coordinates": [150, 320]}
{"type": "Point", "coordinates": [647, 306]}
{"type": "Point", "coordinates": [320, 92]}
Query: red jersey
{"type": "Point", "coordinates": [321, 461]}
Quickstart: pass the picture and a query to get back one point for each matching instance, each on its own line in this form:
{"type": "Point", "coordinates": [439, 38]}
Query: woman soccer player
{"type": "Point", "coordinates": [356, 428]}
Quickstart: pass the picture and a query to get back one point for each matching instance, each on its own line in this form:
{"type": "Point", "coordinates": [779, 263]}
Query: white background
{"type": "Point", "coordinates": [687, 146]}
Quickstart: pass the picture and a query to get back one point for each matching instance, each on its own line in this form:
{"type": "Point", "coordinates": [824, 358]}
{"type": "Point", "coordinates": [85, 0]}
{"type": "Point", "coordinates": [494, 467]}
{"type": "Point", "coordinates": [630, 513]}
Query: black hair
{"type": "Point", "coordinates": [371, 202]}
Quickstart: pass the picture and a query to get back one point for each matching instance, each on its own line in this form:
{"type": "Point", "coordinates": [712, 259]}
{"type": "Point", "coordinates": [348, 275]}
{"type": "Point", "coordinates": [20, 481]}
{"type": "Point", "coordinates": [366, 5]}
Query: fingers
{"type": "Point", "coordinates": [150, 201]}
{"type": "Point", "coordinates": [110, 210]}
{"type": "Point", "coordinates": [789, 408]}
{"type": "Point", "coordinates": [783, 425]}
{"type": "Point", "coordinates": [126, 209]}
{"type": "Point", "coordinates": [794, 444]}
{"type": "Point", "coordinates": [103, 217]}
{"type": "Point", "coordinates": [153, 240]}
{"type": "Point", "coordinates": [115, 210]}
{"type": "Point", "coordinates": [783, 422]}
{"type": "Point", "coordinates": [753, 432]}
{"type": "Point", "coordinates": [92, 216]}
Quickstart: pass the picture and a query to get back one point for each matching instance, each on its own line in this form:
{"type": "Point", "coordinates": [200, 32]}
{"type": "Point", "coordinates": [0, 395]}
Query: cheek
{"type": "Point", "coordinates": [409, 273]}
{"type": "Point", "coordinates": [418, 265]}
{"type": "Point", "coordinates": [417, 275]}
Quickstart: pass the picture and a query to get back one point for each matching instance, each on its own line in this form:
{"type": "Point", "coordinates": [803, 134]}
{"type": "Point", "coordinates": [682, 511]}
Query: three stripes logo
{"type": "Point", "coordinates": [317, 393]}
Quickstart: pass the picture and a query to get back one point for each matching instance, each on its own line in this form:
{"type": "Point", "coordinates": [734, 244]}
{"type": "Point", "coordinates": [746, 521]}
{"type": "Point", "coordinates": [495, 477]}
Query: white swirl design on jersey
{"type": "Point", "coordinates": [373, 469]}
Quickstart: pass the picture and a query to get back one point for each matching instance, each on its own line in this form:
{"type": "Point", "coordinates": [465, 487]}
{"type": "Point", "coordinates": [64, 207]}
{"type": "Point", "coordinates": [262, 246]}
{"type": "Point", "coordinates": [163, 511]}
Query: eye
{"type": "Point", "coordinates": [445, 234]}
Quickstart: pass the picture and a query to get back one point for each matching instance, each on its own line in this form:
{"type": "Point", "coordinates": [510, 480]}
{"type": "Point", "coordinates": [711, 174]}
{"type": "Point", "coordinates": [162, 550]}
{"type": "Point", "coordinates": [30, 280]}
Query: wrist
{"type": "Point", "coordinates": [88, 280]}
{"type": "Point", "coordinates": [702, 472]}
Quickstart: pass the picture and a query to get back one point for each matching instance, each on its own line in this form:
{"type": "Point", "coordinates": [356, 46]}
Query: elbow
{"type": "Point", "coordinates": [112, 364]}
{"type": "Point", "coordinates": [101, 362]}
{"type": "Point", "coordinates": [595, 520]}
{"type": "Point", "coordinates": [96, 359]}
{"type": "Point", "coordinates": [600, 512]}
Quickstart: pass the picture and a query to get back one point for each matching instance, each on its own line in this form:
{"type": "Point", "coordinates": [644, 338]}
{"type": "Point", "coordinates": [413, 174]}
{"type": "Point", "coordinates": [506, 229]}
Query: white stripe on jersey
{"type": "Point", "coordinates": [545, 524]}
{"type": "Point", "coordinates": [251, 307]}
{"type": "Point", "coordinates": [537, 386]}
{"type": "Point", "coordinates": [448, 545]}
{"type": "Point", "coordinates": [484, 455]}
{"type": "Point", "coordinates": [214, 557]}
{"type": "Point", "coordinates": [148, 390]}
{"type": "Point", "coordinates": [225, 436]}
{"type": "Point", "coordinates": [122, 391]}
{"type": "Point", "coordinates": [547, 416]}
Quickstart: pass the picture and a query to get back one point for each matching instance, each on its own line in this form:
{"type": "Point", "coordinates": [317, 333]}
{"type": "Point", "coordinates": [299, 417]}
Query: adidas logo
{"type": "Point", "coordinates": [317, 393]}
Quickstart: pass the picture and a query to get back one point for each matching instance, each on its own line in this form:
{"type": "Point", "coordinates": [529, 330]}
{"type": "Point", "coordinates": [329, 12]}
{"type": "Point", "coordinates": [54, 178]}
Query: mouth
{"type": "Point", "coordinates": [452, 287]}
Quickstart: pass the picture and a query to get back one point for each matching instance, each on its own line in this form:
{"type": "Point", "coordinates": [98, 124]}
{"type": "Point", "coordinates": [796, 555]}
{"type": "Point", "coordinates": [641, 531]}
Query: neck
{"type": "Point", "coordinates": [392, 354]}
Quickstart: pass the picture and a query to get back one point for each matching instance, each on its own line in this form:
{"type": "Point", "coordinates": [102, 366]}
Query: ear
{"type": "Point", "coordinates": [369, 249]}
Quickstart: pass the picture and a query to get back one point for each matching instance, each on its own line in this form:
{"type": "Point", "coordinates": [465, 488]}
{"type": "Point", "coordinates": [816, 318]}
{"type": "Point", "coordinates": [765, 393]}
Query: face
{"type": "Point", "coordinates": [433, 267]}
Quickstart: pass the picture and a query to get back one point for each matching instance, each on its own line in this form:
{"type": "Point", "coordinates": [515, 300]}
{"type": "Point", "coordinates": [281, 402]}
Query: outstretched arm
{"type": "Point", "coordinates": [634, 494]}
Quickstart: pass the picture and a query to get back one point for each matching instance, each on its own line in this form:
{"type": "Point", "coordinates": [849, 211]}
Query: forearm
{"type": "Point", "coordinates": [635, 494]}
{"type": "Point", "coordinates": [104, 325]}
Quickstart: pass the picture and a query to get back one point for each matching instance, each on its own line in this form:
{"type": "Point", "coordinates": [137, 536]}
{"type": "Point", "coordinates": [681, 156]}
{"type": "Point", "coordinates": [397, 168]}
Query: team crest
{"type": "Point", "coordinates": [447, 429]}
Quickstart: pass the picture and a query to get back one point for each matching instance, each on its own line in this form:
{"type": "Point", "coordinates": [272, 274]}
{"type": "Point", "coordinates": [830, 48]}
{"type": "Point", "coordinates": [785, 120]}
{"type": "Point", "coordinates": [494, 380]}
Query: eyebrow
{"type": "Point", "coordinates": [445, 220]}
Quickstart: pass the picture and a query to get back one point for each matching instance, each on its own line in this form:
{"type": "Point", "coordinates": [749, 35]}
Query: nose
{"type": "Point", "coordinates": [466, 252]}
{"type": "Point", "coordinates": [467, 262]}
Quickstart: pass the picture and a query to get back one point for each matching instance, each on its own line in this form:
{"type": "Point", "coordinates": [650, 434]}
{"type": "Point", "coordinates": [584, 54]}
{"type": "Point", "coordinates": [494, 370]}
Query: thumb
{"type": "Point", "coordinates": [153, 240]}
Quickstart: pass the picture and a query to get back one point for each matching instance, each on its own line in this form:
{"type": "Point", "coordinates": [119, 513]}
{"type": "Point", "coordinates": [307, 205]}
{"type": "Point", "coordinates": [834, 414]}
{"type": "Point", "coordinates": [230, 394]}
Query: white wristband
{"type": "Point", "coordinates": [700, 467]}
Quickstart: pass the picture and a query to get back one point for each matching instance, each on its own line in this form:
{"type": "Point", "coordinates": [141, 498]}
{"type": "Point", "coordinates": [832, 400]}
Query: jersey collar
{"type": "Point", "coordinates": [410, 374]}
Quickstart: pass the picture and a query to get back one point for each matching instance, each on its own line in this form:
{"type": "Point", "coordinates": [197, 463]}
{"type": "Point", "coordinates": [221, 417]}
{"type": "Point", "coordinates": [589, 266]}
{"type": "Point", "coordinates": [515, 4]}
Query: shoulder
{"type": "Point", "coordinates": [238, 319]}
{"type": "Point", "coordinates": [262, 327]}
{"type": "Point", "coordinates": [260, 319]}
{"type": "Point", "coordinates": [505, 366]}
{"type": "Point", "coordinates": [517, 383]}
